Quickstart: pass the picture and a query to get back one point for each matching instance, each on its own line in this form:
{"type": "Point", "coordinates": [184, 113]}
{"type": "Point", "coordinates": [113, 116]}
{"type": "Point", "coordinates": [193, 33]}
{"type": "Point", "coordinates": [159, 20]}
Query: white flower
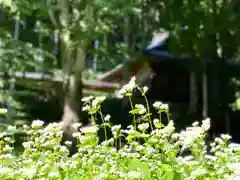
{"type": "Point", "coordinates": [156, 121]}
{"type": "Point", "coordinates": [53, 174]}
{"type": "Point", "coordinates": [68, 143]}
{"type": "Point", "coordinates": [7, 148]}
{"type": "Point", "coordinates": [206, 124]}
{"type": "Point", "coordinates": [219, 140]}
{"type": "Point", "coordinates": [143, 126]}
{"type": "Point", "coordinates": [89, 130]}
{"type": "Point", "coordinates": [164, 107]}
{"type": "Point", "coordinates": [27, 145]}
{"type": "Point", "coordinates": [2, 134]}
{"type": "Point", "coordinates": [87, 99]}
{"type": "Point", "coordinates": [187, 137]}
{"type": "Point", "coordinates": [86, 108]}
{"type": "Point", "coordinates": [145, 89]}
{"type": "Point", "coordinates": [76, 134]}
{"type": "Point", "coordinates": [128, 88]}
{"type": "Point", "coordinates": [199, 172]}
{"type": "Point", "coordinates": [157, 105]}
{"type": "Point", "coordinates": [12, 128]}
{"type": "Point", "coordinates": [134, 175]}
{"type": "Point", "coordinates": [98, 100]}
{"type": "Point", "coordinates": [37, 124]}
{"type": "Point", "coordinates": [3, 111]}
{"type": "Point", "coordinates": [225, 137]}
{"type": "Point", "coordinates": [63, 149]}
{"type": "Point", "coordinates": [195, 124]}
{"type": "Point", "coordinates": [30, 172]}
{"type": "Point", "coordinates": [141, 109]}
{"type": "Point", "coordinates": [107, 118]}
{"type": "Point", "coordinates": [76, 126]}
{"type": "Point", "coordinates": [5, 171]}
{"type": "Point", "coordinates": [116, 128]}
{"type": "Point", "coordinates": [132, 83]}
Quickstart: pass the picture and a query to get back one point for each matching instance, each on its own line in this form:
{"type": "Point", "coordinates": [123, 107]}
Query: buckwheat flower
{"type": "Point", "coordinates": [164, 107]}
{"type": "Point", "coordinates": [5, 171]}
{"type": "Point", "coordinates": [2, 134]}
{"type": "Point", "coordinates": [128, 88]}
{"type": "Point", "coordinates": [37, 124]}
{"type": "Point", "coordinates": [86, 108]}
{"type": "Point", "coordinates": [68, 143]}
{"type": "Point", "coordinates": [134, 174]}
{"type": "Point", "coordinates": [225, 137]}
{"type": "Point", "coordinates": [167, 130]}
{"type": "Point", "coordinates": [27, 145]}
{"type": "Point", "coordinates": [157, 105]}
{"type": "Point", "coordinates": [119, 94]}
{"type": "Point", "coordinates": [206, 124]}
{"type": "Point", "coordinates": [198, 172]}
{"type": "Point", "coordinates": [116, 128]}
{"type": "Point", "coordinates": [98, 100]}
{"type": "Point", "coordinates": [156, 121]}
{"type": "Point", "coordinates": [195, 124]}
{"type": "Point", "coordinates": [30, 172]}
{"type": "Point", "coordinates": [3, 111]}
{"type": "Point", "coordinates": [175, 136]}
{"type": "Point", "coordinates": [7, 139]}
{"type": "Point", "coordinates": [63, 149]}
{"type": "Point", "coordinates": [141, 109]}
{"type": "Point", "coordinates": [107, 118]}
{"type": "Point", "coordinates": [219, 140]}
{"type": "Point", "coordinates": [76, 126]}
{"type": "Point", "coordinates": [145, 89]}
{"type": "Point", "coordinates": [74, 164]}
{"type": "Point", "coordinates": [87, 99]}
{"type": "Point", "coordinates": [132, 83]}
{"type": "Point", "coordinates": [7, 148]}
{"type": "Point", "coordinates": [12, 128]}
{"type": "Point", "coordinates": [187, 137]}
{"type": "Point", "coordinates": [143, 126]}
{"type": "Point", "coordinates": [53, 174]}
{"type": "Point", "coordinates": [122, 91]}
{"type": "Point", "coordinates": [25, 126]}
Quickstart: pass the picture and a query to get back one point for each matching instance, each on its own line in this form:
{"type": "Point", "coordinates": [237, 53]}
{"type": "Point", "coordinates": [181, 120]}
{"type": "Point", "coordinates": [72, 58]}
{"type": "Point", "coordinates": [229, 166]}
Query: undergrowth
{"type": "Point", "coordinates": [161, 153]}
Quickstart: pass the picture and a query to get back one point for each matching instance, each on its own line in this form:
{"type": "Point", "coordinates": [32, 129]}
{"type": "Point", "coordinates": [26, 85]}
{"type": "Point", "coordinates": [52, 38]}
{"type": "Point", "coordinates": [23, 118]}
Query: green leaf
{"type": "Point", "coordinates": [107, 124]}
{"type": "Point", "coordinates": [135, 164]}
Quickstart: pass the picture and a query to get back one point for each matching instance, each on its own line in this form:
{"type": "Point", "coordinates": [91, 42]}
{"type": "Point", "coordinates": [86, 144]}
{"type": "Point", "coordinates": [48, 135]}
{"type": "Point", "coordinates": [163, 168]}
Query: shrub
{"type": "Point", "coordinates": [147, 149]}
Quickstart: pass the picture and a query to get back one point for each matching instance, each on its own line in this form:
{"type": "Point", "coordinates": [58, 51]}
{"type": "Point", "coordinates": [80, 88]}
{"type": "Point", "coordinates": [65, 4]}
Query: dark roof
{"type": "Point", "coordinates": [157, 48]}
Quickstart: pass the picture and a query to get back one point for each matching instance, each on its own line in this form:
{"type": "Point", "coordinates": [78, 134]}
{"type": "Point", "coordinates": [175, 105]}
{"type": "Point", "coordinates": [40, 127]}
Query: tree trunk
{"type": "Point", "coordinates": [204, 91]}
{"type": "Point", "coordinates": [73, 94]}
{"type": "Point", "coordinates": [193, 93]}
{"type": "Point", "coordinates": [72, 102]}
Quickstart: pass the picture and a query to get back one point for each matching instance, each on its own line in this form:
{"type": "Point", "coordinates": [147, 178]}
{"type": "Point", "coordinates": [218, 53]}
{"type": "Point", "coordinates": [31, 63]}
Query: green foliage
{"type": "Point", "coordinates": [160, 155]}
{"type": "Point", "coordinates": [201, 28]}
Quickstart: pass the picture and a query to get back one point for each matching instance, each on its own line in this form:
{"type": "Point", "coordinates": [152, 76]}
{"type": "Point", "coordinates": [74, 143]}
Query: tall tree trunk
{"type": "Point", "coordinates": [73, 90]}
{"type": "Point", "coordinates": [205, 91]}
{"type": "Point", "coordinates": [72, 100]}
{"type": "Point", "coordinates": [72, 104]}
{"type": "Point", "coordinates": [193, 93]}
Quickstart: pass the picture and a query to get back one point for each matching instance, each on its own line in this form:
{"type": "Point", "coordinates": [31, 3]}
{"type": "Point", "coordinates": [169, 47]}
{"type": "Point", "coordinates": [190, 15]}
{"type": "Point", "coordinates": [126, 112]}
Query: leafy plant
{"type": "Point", "coordinates": [161, 153]}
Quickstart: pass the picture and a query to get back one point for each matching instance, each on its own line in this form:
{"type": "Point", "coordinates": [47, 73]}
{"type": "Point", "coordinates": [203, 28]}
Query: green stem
{"type": "Point", "coordinates": [134, 118]}
{"type": "Point", "coordinates": [120, 143]}
{"type": "Point", "coordinates": [93, 120]}
{"type": "Point", "coordinates": [105, 131]}
{"type": "Point", "coordinates": [148, 108]}
{"type": "Point", "coordinates": [168, 117]}
{"type": "Point", "coordinates": [160, 117]}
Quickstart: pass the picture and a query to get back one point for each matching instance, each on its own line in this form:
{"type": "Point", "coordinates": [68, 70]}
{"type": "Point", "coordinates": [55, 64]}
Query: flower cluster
{"type": "Point", "coordinates": [132, 153]}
